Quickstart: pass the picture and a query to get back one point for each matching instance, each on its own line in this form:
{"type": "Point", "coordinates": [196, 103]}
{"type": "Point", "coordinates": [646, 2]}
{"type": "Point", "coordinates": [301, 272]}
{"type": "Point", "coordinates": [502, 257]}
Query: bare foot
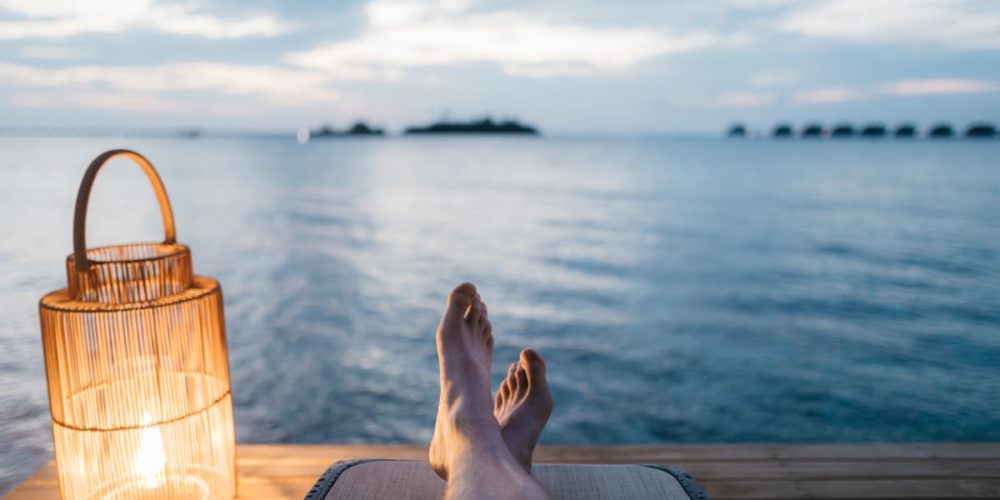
{"type": "Point", "coordinates": [465, 354]}
{"type": "Point", "coordinates": [523, 406]}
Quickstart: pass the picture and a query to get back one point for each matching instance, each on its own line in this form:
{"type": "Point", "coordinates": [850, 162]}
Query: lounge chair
{"type": "Point", "coordinates": [412, 480]}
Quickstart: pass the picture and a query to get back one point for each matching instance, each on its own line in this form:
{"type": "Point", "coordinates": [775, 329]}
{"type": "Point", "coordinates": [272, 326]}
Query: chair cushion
{"type": "Point", "coordinates": [411, 480]}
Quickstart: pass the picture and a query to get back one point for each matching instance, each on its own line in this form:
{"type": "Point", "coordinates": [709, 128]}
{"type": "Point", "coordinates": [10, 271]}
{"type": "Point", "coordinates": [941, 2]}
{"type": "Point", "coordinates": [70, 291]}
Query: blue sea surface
{"type": "Point", "coordinates": [681, 290]}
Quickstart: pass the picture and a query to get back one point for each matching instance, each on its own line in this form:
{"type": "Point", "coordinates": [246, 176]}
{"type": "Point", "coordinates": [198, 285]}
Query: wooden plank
{"type": "Point", "coordinates": [47, 472]}
{"type": "Point", "coordinates": [729, 470]}
{"type": "Point", "coordinates": [268, 490]}
{"type": "Point", "coordinates": [943, 470]}
{"type": "Point", "coordinates": [853, 469]}
{"type": "Point", "coordinates": [842, 489]}
{"type": "Point", "coordinates": [247, 453]}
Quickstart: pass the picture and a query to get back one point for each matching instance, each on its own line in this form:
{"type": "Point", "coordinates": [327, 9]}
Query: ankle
{"type": "Point", "coordinates": [481, 455]}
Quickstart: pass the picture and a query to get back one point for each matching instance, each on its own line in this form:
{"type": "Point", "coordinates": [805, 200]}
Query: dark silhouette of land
{"type": "Point", "coordinates": [941, 131]}
{"type": "Point", "coordinates": [812, 131]}
{"type": "Point", "coordinates": [981, 131]}
{"type": "Point", "coordinates": [484, 126]}
{"type": "Point", "coordinates": [905, 131]}
{"type": "Point", "coordinates": [358, 129]}
{"type": "Point", "coordinates": [873, 131]}
{"type": "Point", "coordinates": [842, 131]}
{"type": "Point", "coordinates": [361, 128]}
{"type": "Point", "coordinates": [782, 131]}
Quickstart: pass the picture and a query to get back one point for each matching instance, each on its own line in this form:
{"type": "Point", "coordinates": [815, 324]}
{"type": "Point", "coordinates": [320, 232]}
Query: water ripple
{"type": "Point", "coordinates": [682, 291]}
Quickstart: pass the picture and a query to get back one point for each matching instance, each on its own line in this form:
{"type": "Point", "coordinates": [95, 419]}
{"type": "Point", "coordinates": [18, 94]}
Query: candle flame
{"type": "Point", "coordinates": [151, 460]}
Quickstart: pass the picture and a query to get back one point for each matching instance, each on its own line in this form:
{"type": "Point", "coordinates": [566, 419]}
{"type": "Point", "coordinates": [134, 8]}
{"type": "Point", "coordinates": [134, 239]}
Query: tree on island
{"type": "Point", "coordinates": [737, 131]}
{"type": "Point", "coordinates": [360, 128]}
{"type": "Point", "coordinates": [324, 131]}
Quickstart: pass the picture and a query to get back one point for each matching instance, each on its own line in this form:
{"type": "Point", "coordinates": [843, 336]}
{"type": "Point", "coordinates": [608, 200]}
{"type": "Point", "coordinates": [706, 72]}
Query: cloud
{"type": "Point", "coordinates": [902, 88]}
{"type": "Point", "coordinates": [962, 24]}
{"type": "Point", "coordinates": [829, 95]}
{"type": "Point", "coordinates": [117, 101]}
{"type": "Point", "coordinates": [271, 84]}
{"type": "Point", "coordinates": [66, 18]}
{"type": "Point", "coordinates": [742, 100]}
{"type": "Point", "coordinates": [940, 86]}
{"type": "Point", "coordinates": [402, 35]}
{"type": "Point", "coordinates": [131, 102]}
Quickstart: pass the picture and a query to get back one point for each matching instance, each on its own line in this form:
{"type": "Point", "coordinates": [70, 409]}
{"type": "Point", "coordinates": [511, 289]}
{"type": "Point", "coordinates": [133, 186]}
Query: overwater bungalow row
{"type": "Point", "coordinates": [979, 130]}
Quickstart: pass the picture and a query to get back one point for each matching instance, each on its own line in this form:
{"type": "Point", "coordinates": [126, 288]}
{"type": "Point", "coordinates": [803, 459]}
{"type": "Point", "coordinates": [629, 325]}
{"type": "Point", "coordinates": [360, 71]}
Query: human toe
{"type": "Point", "coordinates": [534, 367]}
{"type": "Point", "coordinates": [461, 298]}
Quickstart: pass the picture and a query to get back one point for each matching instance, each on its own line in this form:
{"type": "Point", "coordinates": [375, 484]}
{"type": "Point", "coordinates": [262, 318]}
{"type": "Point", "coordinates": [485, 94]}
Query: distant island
{"type": "Point", "coordinates": [484, 126]}
{"type": "Point", "coordinates": [358, 129]}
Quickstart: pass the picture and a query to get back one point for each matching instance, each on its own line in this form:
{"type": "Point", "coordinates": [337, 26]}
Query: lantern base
{"type": "Point", "coordinates": [169, 455]}
{"type": "Point", "coordinates": [193, 483]}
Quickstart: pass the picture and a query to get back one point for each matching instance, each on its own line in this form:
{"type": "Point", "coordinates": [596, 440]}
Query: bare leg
{"type": "Point", "coordinates": [468, 449]}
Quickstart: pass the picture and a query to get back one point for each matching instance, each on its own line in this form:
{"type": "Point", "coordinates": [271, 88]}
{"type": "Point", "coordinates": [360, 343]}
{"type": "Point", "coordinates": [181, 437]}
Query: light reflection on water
{"type": "Point", "coordinates": [680, 290]}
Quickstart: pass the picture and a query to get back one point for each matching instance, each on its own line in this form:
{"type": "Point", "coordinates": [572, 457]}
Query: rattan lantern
{"type": "Point", "coordinates": [138, 376]}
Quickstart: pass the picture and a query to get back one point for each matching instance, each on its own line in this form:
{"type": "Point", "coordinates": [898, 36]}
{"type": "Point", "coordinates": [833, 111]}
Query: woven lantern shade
{"type": "Point", "coordinates": [138, 376]}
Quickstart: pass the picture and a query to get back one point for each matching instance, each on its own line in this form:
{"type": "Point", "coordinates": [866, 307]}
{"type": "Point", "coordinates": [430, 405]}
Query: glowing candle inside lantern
{"type": "Point", "coordinates": [151, 461]}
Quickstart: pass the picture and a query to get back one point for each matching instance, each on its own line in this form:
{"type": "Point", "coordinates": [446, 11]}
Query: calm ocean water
{"type": "Point", "coordinates": [681, 290]}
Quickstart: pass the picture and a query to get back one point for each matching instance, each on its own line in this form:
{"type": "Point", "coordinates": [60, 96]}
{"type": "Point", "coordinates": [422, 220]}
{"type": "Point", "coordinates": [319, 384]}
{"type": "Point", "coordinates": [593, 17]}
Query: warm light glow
{"type": "Point", "coordinates": [151, 461]}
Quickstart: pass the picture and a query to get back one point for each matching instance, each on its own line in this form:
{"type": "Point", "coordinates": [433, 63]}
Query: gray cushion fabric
{"type": "Point", "coordinates": [410, 480]}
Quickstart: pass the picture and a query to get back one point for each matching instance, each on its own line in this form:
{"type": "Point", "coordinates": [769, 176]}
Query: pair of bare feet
{"type": "Point", "coordinates": [483, 445]}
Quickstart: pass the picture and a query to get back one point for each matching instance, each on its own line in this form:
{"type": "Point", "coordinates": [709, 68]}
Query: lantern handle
{"type": "Point", "coordinates": [83, 199]}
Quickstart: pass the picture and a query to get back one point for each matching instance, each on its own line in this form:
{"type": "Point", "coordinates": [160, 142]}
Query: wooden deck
{"type": "Point", "coordinates": [945, 470]}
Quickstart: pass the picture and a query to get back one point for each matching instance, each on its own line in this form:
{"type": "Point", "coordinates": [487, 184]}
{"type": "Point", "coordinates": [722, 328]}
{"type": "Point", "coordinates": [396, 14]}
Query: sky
{"type": "Point", "coordinates": [624, 66]}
